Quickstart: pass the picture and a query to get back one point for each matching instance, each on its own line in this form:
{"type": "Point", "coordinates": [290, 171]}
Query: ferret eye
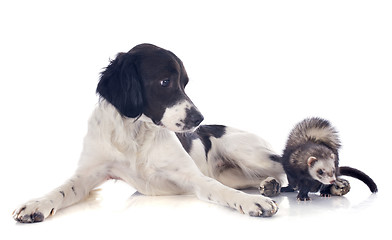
{"type": "Point", "coordinates": [320, 171]}
{"type": "Point", "coordinates": [165, 83]}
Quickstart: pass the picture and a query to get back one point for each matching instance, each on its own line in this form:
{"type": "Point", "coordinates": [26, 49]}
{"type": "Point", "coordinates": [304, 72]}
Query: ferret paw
{"type": "Point", "coordinates": [340, 187]}
{"type": "Point", "coordinates": [304, 199]}
{"type": "Point", "coordinates": [325, 195]}
{"type": "Point", "coordinates": [270, 187]}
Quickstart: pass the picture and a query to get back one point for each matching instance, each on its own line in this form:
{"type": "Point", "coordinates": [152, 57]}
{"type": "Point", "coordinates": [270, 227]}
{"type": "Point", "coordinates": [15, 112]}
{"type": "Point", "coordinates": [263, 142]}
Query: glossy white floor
{"type": "Point", "coordinates": [113, 211]}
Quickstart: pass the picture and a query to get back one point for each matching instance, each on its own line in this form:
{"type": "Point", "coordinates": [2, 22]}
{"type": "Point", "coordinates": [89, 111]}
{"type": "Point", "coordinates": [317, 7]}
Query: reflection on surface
{"type": "Point", "coordinates": [119, 197]}
{"type": "Point", "coordinates": [117, 209]}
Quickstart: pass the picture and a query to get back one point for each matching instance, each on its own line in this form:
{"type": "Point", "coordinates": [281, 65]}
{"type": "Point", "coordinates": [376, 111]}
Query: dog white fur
{"type": "Point", "coordinates": [149, 156]}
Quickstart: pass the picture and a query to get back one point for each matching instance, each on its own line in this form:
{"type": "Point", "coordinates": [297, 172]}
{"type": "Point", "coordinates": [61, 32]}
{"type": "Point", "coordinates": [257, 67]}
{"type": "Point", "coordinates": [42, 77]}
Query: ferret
{"type": "Point", "coordinates": [311, 160]}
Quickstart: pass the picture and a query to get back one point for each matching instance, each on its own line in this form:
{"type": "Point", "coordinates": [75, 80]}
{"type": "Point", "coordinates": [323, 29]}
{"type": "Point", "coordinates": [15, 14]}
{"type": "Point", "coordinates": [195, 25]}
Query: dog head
{"type": "Point", "coordinates": [150, 81]}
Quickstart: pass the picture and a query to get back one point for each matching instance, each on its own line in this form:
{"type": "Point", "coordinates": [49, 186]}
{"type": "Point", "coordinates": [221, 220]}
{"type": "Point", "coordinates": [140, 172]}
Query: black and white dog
{"type": "Point", "coordinates": [145, 132]}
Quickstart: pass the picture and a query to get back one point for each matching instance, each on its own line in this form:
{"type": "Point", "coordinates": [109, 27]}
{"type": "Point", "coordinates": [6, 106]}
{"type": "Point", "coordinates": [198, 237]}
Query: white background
{"type": "Point", "coordinates": [261, 66]}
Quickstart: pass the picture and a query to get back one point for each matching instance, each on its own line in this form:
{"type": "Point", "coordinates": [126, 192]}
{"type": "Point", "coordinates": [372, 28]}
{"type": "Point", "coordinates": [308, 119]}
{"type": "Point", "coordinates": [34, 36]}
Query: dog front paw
{"type": "Point", "coordinates": [34, 211]}
{"type": "Point", "coordinates": [270, 187]}
{"type": "Point", "coordinates": [258, 206]}
{"type": "Point", "coordinates": [340, 187]}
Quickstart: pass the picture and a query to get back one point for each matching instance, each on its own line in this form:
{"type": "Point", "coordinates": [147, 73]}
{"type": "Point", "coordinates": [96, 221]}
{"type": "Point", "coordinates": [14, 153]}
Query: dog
{"type": "Point", "coordinates": [145, 131]}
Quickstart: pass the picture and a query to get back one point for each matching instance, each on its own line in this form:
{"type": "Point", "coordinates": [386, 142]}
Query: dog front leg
{"type": "Point", "coordinates": [72, 191]}
{"type": "Point", "coordinates": [254, 205]}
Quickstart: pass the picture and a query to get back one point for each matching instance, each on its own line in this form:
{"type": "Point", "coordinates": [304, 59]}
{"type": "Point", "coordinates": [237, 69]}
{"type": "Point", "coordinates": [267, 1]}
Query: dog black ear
{"type": "Point", "coordinates": [120, 85]}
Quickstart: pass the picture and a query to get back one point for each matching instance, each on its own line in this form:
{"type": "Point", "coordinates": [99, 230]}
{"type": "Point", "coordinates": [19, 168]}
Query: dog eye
{"type": "Point", "coordinates": [321, 172]}
{"type": "Point", "coordinates": [165, 83]}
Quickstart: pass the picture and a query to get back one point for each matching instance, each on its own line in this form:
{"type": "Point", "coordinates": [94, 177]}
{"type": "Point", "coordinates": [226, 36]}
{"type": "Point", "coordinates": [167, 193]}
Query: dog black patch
{"type": "Point", "coordinates": [275, 158]}
{"type": "Point", "coordinates": [216, 131]}
{"type": "Point", "coordinates": [186, 140]}
{"type": "Point", "coordinates": [204, 133]}
{"type": "Point", "coordinates": [73, 189]}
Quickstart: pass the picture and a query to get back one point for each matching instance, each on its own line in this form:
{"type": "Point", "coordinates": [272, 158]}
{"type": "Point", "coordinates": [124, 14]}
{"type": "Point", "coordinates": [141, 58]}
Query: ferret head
{"type": "Point", "coordinates": [323, 169]}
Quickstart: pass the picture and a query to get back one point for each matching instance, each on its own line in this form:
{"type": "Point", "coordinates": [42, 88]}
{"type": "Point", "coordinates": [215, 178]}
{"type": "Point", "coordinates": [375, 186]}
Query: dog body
{"type": "Point", "coordinates": [235, 158]}
{"type": "Point", "coordinates": [144, 132]}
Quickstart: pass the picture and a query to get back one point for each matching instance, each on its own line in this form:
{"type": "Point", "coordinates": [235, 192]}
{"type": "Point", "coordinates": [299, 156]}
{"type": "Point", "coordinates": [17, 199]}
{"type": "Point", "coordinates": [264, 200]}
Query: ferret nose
{"type": "Point", "coordinates": [332, 182]}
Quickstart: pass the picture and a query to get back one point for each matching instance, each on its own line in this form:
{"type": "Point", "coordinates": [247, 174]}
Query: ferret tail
{"type": "Point", "coordinates": [355, 173]}
{"type": "Point", "coordinates": [314, 129]}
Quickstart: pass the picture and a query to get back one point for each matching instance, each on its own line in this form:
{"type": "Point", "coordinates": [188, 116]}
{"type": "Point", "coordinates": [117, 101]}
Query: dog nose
{"type": "Point", "coordinates": [196, 118]}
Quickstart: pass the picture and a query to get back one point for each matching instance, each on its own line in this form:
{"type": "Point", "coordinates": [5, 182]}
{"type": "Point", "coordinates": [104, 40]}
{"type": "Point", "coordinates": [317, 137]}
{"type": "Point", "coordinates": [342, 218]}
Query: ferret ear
{"type": "Point", "coordinates": [311, 161]}
{"type": "Point", "coordinates": [332, 156]}
{"type": "Point", "coordinates": [121, 86]}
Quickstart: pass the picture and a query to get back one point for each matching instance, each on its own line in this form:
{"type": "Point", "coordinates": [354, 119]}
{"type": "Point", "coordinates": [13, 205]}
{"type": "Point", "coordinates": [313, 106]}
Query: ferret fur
{"type": "Point", "coordinates": [315, 142]}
